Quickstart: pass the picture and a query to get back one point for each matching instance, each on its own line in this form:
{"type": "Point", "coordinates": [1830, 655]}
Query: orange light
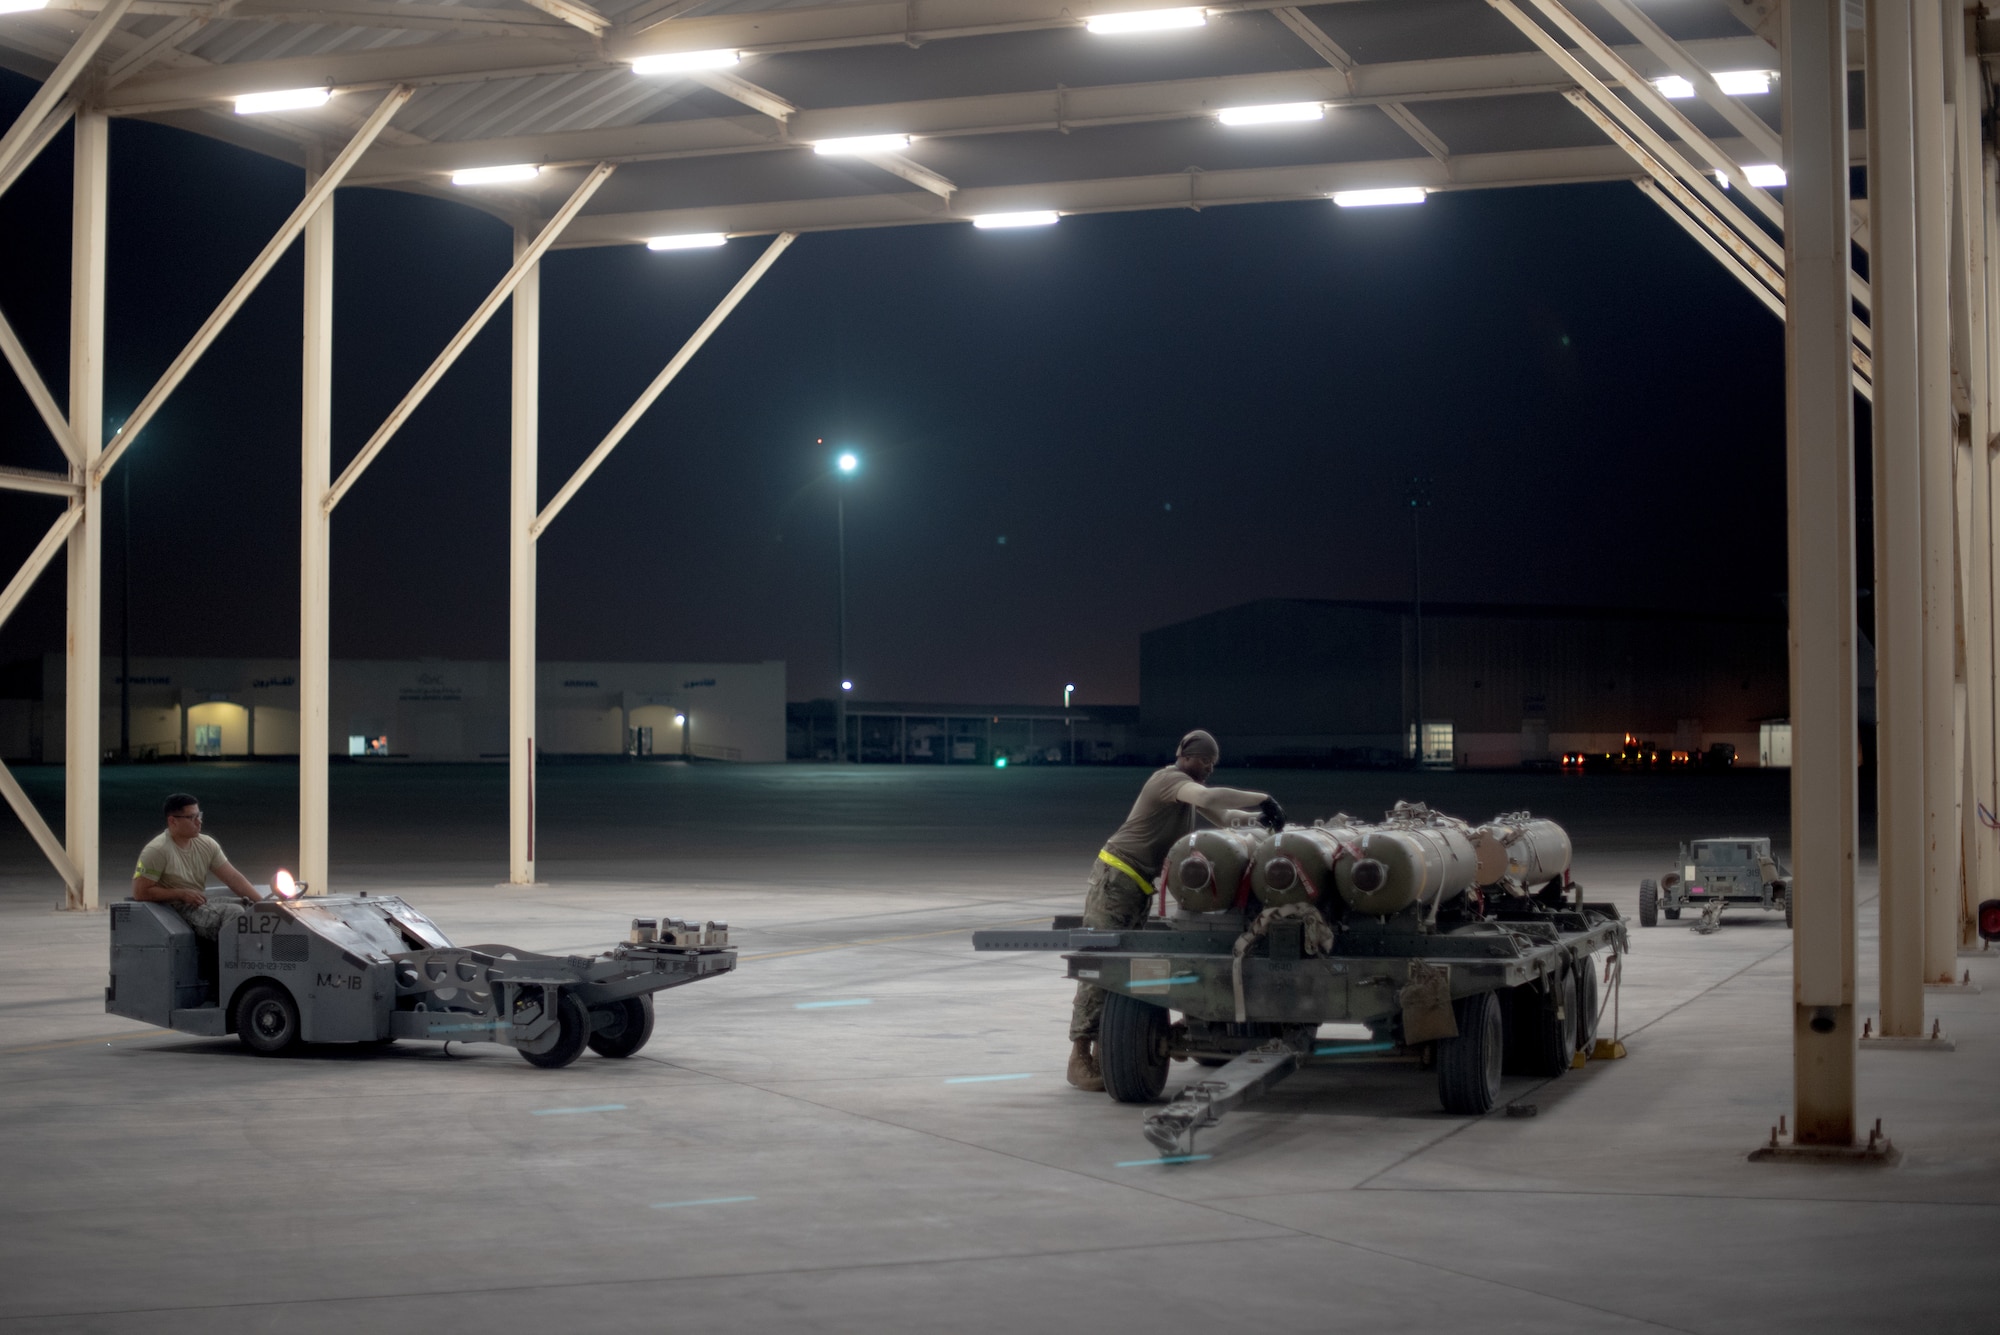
{"type": "Point", "coordinates": [283, 886]}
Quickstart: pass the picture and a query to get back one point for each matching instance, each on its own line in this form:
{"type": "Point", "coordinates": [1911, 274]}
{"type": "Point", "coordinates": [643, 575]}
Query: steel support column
{"type": "Point", "coordinates": [86, 540]}
{"type": "Point", "coordinates": [1820, 493]}
{"type": "Point", "coordinates": [315, 472]}
{"type": "Point", "coordinates": [1976, 570]}
{"type": "Point", "coordinates": [1899, 588]}
{"type": "Point", "coordinates": [521, 509]}
{"type": "Point", "coordinates": [1938, 437]}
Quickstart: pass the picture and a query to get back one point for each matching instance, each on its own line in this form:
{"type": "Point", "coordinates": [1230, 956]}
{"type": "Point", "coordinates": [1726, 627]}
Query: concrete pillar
{"type": "Point", "coordinates": [1899, 590]}
{"type": "Point", "coordinates": [521, 511]}
{"type": "Point", "coordinates": [315, 532]}
{"type": "Point", "coordinates": [86, 540]}
{"type": "Point", "coordinates": [1937, 433]}
{"type": "Point", "coordinates": [1820, 483]}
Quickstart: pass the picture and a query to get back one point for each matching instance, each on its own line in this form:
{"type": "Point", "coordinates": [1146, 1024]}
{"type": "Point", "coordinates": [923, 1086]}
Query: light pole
{"type": "Point", "coordinates": [844, 468]}
{"type": "Point", "coordinates": [1068, 722]}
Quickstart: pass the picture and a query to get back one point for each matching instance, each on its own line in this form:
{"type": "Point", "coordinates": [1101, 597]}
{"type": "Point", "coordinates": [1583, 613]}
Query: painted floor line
{"type": "Point", "coordinates": [712, 1200]}
{"type": "Point", "coordinates": [595, 1107]}
{"type": "Point", "coordinates": [982, 1079]}
{"type": "Point", "coordinates": [827, 1005]}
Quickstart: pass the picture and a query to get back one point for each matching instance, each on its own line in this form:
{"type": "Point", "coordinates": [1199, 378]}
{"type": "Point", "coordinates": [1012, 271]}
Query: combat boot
{"type": "Point", "coordinates": [1083, 1069]}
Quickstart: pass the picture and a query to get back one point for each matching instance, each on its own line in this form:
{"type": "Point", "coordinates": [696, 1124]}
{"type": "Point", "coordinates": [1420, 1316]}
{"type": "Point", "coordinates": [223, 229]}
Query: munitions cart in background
{"type": "Point", "coordinates": [1714, 873]}
{"type": "Point", "coordinates": [372, 969]}
{"type": "Point", "coordinates": [1467, 950]}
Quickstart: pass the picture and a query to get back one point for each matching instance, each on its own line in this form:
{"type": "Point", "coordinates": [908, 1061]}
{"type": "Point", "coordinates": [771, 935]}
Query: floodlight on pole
{"type": "Point", "coordinates": [1278, 113]}
{"type": "Point", "coordinates": [680, 62]}
{"type": "Point", "coordinates": [1037, 218]}
{"type": "Point", "coordinates": [862, 145]}
{"type": "Point", "coordinates": [285, 99]}
{"type": "Point", "coordinates": [687, 241]}
{"type": "Point", "coordinates": [845, 464]}
{"type": "Point", "coordinates": [1367, 199]}
{"type": "Point", "coordinates": [1146, 20]}
{"type": "Point", "coordinates": [520, 171]}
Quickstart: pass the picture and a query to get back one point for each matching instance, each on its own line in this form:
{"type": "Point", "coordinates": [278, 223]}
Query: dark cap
{"type": "Point", "coordinates": [1199, 745]}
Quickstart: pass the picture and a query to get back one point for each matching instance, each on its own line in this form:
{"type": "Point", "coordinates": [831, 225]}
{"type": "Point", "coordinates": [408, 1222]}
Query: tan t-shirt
{"type": "Point", "coordinates": [1165, 811]}
{"type": "Point", "coordinates": [179, 868]}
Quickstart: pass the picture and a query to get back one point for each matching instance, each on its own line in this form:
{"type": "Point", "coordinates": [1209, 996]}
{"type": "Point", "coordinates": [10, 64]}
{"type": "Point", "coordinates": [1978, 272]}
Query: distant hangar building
{"type": "Point", "coordinates": [1308, 681]}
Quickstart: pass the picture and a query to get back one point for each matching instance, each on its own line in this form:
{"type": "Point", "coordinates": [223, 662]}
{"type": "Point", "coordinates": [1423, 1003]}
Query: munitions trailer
{"type": "Point", "coordinates": [372, 969]}
{"type": "Point", "coordinates": [1464, 950]}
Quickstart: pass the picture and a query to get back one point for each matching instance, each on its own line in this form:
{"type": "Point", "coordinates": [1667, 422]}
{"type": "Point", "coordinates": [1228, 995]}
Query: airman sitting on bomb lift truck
{"type": "Point", "coordinates": [1122, 882]}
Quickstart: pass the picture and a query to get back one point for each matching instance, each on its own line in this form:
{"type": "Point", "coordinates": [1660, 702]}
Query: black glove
{"type": "Point", "coordinates": [1273, 814]}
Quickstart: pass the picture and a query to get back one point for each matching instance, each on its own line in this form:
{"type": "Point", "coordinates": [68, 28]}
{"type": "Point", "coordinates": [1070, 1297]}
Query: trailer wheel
{"type": "Point", "coordinates": [1544, 1033]}
{"type": "Point", "coordinates": [267, 1019]}
{"type": "Point", "coordinates": [572, 1031]}
{"type": "Point", "coordinates": [1649, 904]}
{"type": "Point", "coordinates": [631, 1025]}
{"type": "Point", "coordinates": [1586, 1004]}
{"type": "Point", "coordinates": [1132, 1049]}
{"type": "Point", "coordinates": [1469, 1065]}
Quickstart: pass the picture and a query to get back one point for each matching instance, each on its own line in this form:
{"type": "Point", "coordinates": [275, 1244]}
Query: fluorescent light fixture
{"type": "Point", "coordinates": [1744, 83]}
{"type": "Point", "coordinates": [289, 99]}
{"type": "Point", "coordinates": [1363, 199]}
{"type": "Point", "coordinates": [862, 144]}
{"type": "Point", "coordinates": [680, 62]}
{"type": "Point", "coordinates": [1736, 83]}
{"type": "Point", "coordinates": [1276, 114]}
{"type": "Point", "coordinates": [1763, 175]}
{"type": "Point", "coordinates": [1146, 20]}
{"type": "Point", "coordinates": [1043, 218]}
{"type": "Point", "coordinates": [520, 171]}
{"type": "Point", "coordinates": [689, 241]}
{"type": "Point", "coordinates": [21, 6]}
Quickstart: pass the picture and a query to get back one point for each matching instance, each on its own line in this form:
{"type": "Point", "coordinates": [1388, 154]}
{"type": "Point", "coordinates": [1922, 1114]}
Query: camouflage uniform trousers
{"type": "Point", "coordinates": [1113, 900]}
{"type": "Point", "coordinates": [206, 919]}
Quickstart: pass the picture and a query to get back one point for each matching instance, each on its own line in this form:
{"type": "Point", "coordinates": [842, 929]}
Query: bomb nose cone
{"type": "Point", "coordinates": [1369, 875]}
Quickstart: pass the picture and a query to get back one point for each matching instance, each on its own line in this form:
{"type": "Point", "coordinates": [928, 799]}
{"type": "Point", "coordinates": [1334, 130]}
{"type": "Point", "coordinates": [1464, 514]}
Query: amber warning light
{"type": "Point", "coordinates": [284, 887]}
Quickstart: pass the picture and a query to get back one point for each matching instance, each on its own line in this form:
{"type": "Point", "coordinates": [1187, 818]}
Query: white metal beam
{"type": "Point", "coordinates": [1676, 58]}
{"type": "Point", "coordinates": [38, 392]}
{"type": "Point", "coordinates": [673, 368]}
{"type": "Point", "coordinates": [315, 545]}
{"type": "Point", "coordinates": [85, 663]}
{"type": "Point", "coordinates": [31, 147]}
{"type": "Point", "coordinates": [56, 87]}
{"type": "Point", "coordinates": [37, 481]}
{"type": "Point", "coordinates": [1322, 45]}
{"type": "Point", "coordinates": [219, 318]}
{"type": "Point", "coordinates": [463, 338]}
{"type": "Point", "coordinates": [44, 837]}
{"type": "Point", "coordinates": [38, 561]}
{"type": "Point", "coordinates": [1897, 465]}
{"type": "Point", "coordinates": [898, 164]}
{"type": "Point", "coordinates": [761, 100]}
{"type": "Point", "coordinates": [1819, 435]}
{"type": "Point", "coordinates": [574, 13]}
{"type": "Point", "coordinates": [522, 498]}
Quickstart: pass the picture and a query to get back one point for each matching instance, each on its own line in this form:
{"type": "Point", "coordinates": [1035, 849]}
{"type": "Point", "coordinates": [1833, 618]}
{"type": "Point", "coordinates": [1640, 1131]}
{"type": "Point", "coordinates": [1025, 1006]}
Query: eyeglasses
{"type": "Point", "coordinates": [186, 815]}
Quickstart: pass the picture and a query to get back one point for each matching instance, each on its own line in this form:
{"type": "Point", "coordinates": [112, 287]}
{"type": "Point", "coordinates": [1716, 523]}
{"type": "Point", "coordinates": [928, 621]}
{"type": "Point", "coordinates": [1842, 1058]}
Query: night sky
{"type": "Point", "coordinates": [1070, 435]}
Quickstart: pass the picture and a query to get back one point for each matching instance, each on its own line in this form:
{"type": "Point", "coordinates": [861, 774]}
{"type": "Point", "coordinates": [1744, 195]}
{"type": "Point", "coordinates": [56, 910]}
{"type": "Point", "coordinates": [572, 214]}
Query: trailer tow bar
{"type": "Point", "coordinates": [1202, 1104]}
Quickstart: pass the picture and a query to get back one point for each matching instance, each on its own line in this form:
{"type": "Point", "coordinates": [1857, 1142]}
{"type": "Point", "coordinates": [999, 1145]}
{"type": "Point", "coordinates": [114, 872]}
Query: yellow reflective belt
{"type": "Point", "coordinates": [1111, 859]}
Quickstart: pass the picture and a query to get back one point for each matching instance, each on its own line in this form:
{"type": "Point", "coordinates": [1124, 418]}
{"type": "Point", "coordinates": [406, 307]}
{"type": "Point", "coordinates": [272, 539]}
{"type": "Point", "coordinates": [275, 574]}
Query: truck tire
{"type": "Point", "coordinates": [572, 1032]}
{"type": "Point", "coordinates": [631, 1025]}
{"type": "Point", "coordinates": [1586, 1005]}
{"type": "Point", "coordinates": [1469, 1065]}
{"type": "Point", "coordinates": [1649, 904]}
{"type": "Point", "coordinates": [1132, 1049]}
{"type": "Point", "coordinates": [267, 1019]}
{"type": "Point", "coordinates": [1544, 1034]}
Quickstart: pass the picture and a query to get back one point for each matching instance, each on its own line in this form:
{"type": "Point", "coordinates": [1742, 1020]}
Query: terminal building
{"type": "Point", "coordinates": [426, 710]}
{"type": "Point", "coordinates": [1308, 681]}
